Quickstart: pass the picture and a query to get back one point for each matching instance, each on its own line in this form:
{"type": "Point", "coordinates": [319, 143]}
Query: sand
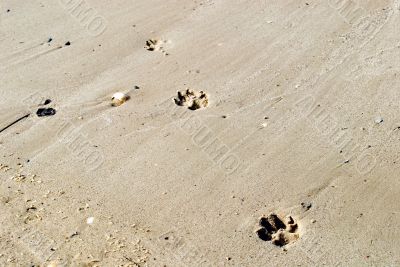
{"type": "Point", "coordinates": [283, 153]}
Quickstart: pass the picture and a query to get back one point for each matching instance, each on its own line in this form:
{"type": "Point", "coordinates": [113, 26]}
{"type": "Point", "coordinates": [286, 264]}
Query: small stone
{"type": "Point", "coordinates": [378, 120]}
{"type": "Point", "coordinates": [68, 43]}
{"type": "Point", "coordinates": [41, 112]}
{"type": "Point", "coordinates": [73, 234]}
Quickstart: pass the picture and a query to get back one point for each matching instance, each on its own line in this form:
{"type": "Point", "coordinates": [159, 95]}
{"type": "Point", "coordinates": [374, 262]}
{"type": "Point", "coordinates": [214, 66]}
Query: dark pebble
{"type": "Point", "coordinates": [68, 43]}
{"type": "Point", "coordinates": [49, 40]}
{"type": "Point", "coordinates": [41, 112]}
{"type": "Point", "coordinates": [47, 101]}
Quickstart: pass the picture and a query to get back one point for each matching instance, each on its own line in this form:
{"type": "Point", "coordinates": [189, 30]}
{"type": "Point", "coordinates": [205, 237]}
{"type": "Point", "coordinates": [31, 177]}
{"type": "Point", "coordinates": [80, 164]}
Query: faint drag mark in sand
{"type": "Point", "coordinates": [280, 232]}
{"type": "Point", "coordinates": [88, 17]}
{"type": "Point", "coordinates": [156, 45]}
{"type": "Point", "coordinates": [25, 55]}
{"type": "Point", "coordinates": [70, 135]}
{"type": "Point", "coordinates": [203, 137]}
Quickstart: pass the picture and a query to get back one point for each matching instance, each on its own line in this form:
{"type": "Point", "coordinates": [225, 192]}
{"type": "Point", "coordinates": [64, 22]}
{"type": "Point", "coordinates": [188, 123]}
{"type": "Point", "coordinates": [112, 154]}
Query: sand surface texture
{"type": "Point", "coordinates": [280, 149]}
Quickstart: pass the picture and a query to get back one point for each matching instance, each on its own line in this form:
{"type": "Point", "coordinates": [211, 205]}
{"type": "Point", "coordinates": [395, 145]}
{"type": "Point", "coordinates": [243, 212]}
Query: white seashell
{"type": "Point", "coordinates": [90, 220]}
{"type": "Point", "coordinates": [118, 99]}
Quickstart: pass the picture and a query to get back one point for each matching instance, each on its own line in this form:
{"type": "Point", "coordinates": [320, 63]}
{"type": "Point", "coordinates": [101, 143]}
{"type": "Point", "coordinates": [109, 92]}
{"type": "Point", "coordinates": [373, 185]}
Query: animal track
{"type": "Point", "coordinates": [279, 232]}
{"type": "Point", "coordinates": [191, 99]}
{"type": "Point", "coordinates": [156, 45]}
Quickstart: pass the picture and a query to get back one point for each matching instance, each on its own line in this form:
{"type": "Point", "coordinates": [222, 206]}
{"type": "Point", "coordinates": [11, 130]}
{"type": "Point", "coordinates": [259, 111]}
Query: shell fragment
{"type": "Point", "coordinates": [118, 99]}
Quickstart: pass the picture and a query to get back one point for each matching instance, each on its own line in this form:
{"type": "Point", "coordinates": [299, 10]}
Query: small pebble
{"type": "Point", "coordinates": [68, 43]}
{"type": "Point", "coordinates": [378, 120]}
{"type": "Point", "coordinates": [42, 112]}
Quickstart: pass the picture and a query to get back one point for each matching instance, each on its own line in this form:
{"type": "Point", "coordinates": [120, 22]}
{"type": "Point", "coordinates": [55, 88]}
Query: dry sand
{"type": "Point", "coordinates": [298, 118]}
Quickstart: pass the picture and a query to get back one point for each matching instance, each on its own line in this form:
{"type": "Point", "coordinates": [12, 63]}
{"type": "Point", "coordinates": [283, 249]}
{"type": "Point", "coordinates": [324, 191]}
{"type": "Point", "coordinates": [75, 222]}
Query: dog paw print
{"type": "Point", "coordinates": [280, 232]}
{"type": "Point", "coordinates": [191, 99]}
{"type": "Point", "coordinates": [156, 45]}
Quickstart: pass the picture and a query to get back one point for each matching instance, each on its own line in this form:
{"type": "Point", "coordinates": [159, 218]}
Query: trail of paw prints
{"type": "Point", "coordinates": [278, 231]}
{"type": "Point", "coordinates": [191, 99]}
{"type": "Point", "coordinates": [157, 45]}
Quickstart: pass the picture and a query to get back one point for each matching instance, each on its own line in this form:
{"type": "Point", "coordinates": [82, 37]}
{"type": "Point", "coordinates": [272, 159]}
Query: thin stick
{"type": "Point", "coordinates": [11, 124]}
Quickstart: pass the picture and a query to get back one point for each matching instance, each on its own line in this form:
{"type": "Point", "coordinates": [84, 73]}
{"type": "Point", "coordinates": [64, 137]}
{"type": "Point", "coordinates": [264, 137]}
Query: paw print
{"type": "Point", "coordinates": [156, 45]}
{"type": "Point", "coordinates": [191, 99]}
{"type": "Point", "coordinates": [280, 232]}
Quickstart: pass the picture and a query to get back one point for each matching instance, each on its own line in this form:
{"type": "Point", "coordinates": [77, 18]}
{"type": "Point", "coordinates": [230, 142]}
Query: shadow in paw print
{"type": "Point", "coordinates": [191, 99]}
{"type": "Point", "coordinates": [156, 45]}
{"type": "Point", "coordinates": [280, 232]}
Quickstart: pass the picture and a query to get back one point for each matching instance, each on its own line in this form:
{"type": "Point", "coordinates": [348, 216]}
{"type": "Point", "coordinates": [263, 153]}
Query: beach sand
{"type": "Point", "coordinates": [284, 151]}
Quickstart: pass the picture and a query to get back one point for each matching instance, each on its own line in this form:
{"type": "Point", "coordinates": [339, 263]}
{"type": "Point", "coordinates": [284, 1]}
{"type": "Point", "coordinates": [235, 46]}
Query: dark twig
{"type": "Point", "coordinates": [14, 122]}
